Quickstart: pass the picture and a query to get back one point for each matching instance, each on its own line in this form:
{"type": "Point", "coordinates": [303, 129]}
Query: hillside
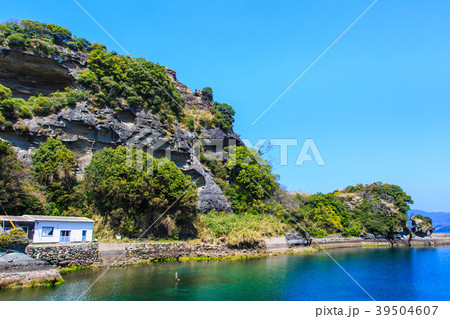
{"type": "Point", "coordinates": [89, 132]}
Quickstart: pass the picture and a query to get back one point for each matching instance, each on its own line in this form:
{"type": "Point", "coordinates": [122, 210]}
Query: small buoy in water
{"type": "Point", "coordinates": [176, 277]}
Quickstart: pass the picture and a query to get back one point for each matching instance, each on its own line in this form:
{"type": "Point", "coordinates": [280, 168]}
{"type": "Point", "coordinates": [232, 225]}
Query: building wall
{"type": "Point", "coordinates": [75, 228]}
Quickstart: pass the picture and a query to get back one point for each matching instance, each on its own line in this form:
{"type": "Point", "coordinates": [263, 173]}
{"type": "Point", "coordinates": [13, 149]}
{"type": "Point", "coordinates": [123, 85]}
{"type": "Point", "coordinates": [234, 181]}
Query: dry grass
{"type": "Point", "coordinates": [240, 230]}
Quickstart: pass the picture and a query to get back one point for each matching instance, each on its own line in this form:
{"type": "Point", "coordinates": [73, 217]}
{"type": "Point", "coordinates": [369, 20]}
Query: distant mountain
{"type": "Point", "coordinates": [441, 220]}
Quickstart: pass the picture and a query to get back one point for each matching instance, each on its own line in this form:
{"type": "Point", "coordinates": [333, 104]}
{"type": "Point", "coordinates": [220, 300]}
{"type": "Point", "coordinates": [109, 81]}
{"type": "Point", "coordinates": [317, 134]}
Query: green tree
{"type": "Point", "coordinates": [223, 116]}
{"type": "Point", "coordinates": [250, 181]}
{"type": "Point", "coordinates": [53, 161]}
{"type": "Point", "coordinates": [18, 193]}
{"type": "Point", "coordinates": [132, 189]}
{"type": "Point", "coordinates": [207, 92]}
{"type": "Point", "coordinates": [54, 167]}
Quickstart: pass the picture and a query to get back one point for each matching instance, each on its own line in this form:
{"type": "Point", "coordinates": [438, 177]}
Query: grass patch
{"type": "Point", "coordinates": [229, 258]}
{"type": "Point", "coordinates": [240, 230]}
{"type": "Point", "coordinates": [65, 270]}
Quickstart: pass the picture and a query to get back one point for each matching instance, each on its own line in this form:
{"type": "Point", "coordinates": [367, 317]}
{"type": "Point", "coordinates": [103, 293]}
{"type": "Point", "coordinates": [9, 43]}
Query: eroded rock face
{"type": "Point", "coordinates": [27, 73]}
{"type": "Point", "coordinates": [85, 130]}
{"type": "Point", "coordinates": [192, 99]}
{"type": "Point", "coordinates": [209, 193]}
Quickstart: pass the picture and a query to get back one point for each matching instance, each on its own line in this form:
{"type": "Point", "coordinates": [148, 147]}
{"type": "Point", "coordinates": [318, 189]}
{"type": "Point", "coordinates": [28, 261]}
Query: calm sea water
{"type": "Point", "coordinates": [387, 274]}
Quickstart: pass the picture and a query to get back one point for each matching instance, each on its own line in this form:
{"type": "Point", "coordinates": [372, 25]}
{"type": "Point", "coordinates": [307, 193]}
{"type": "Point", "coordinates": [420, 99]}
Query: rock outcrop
{"type": "Point", "coordinates": [17, 270]}
{"type": "Point", "coordinates": [27, 73]}
{"type": "Point", "coordinates": [421, 226]}
{"type": "Point", "coordinates": [85, 130]}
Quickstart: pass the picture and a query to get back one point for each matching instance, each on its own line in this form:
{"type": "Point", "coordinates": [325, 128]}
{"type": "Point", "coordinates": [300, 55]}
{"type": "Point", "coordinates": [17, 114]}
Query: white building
{"type": "Point", "coordinates": [52, 229]}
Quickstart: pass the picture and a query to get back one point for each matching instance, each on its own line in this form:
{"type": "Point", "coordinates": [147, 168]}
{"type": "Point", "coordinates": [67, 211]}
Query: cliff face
{"type": "Point", "coordinates": [85, 129]}
{"type": "Point", "coordinates": [27, 73]}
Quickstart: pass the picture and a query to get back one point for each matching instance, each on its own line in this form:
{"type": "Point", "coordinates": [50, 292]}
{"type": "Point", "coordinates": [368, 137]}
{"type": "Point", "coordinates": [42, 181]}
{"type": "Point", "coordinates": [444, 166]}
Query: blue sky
{"type": "Point", "coordinates": [376, 105]}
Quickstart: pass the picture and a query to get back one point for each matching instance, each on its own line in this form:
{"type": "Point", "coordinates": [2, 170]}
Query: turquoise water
{"type": "Point", "coordinates": [386, 274]}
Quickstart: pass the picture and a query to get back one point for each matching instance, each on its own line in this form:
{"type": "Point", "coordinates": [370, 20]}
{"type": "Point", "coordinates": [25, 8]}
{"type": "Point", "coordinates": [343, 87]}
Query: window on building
{"type": "Point", "coordinates": [47, 231]}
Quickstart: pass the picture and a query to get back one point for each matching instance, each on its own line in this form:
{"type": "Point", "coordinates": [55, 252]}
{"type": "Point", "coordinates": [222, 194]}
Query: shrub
{"type": "Point", "coordinates": [11, 107]}
{"type": "Point", "coordinates": [87, 78]}
{"type": "Point", "coordinates": [15, 239]}
{"type": "Point", "coordinates": [5, 93]}
{"type": "Point", "coordinates": [17, 41]}
{"type": "Point", "coordinates": [207, 93]}
{"type": "Point", "coordinates": [38, 45]}
{"type": "Point", "coordinates": [25, 112]}
{"type": "Point", "coordinates": [53, 161]}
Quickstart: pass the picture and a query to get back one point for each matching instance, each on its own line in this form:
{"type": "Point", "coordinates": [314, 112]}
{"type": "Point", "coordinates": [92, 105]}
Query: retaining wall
{"type": "Point", "coordinates": [65, 255]}
{"type": "Point", "coordinates": [175, 250]}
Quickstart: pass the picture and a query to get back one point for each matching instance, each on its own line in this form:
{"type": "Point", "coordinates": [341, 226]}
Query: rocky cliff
{"type": "Point", "coordinates": [85, 129]}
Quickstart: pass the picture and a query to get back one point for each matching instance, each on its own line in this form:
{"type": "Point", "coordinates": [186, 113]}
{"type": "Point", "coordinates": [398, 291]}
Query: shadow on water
{"type": "Point", "coordinates": [387, 274]}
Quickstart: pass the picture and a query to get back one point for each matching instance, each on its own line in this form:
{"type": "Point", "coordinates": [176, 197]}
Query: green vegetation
{"type": "Point", "coordinates": [109, 80]}
{"type": "Point", "coordinates": [246, 180]}
{"type": "Point", "coordinates": [14, 108]}
{"type": "Point", "coordinates": [14, 239]}
{"type": "Point", "coordinates": [54, 167]}
{"type": "Point", "coordinates": [39, 37]}
{"type": "Point", "coordinates": [131, 192]}
{"type": "Point", "coordinates": [240, 230]}
{"type": "Point", "coordinates": [377, 208]}
{"type": "Point", "coordinates": [18, 191]}
{"type": "Point", "coordinates": [207, 93]}
{"type": "Point", "coordinates": [117, 79]}
{"type": "Point", "coordinates": [65, 270]}
{"type": "Point", "coordinates": [223, 116]}
{"type": "Point", "coordinates": [125, 190]}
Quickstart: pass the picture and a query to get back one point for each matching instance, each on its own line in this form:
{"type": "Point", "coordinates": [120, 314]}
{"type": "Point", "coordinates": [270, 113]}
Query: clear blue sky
{"type": "Point", "coordinates": [377, 104]}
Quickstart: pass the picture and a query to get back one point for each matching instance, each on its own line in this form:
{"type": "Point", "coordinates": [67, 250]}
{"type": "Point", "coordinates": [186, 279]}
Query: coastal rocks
{"type": "Point", "coordinates": [18, 270]}
{"type": "Point", "coordinates": [64, 256]}
{"type": "Point", "coordinates": [421, 226]}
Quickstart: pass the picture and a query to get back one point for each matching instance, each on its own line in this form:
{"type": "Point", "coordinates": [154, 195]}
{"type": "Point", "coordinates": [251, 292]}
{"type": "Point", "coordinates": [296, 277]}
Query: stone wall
{"type": "Point", "coordinates": [175, 250]}
{"type": "Point", "coordinates": [65, 255]}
